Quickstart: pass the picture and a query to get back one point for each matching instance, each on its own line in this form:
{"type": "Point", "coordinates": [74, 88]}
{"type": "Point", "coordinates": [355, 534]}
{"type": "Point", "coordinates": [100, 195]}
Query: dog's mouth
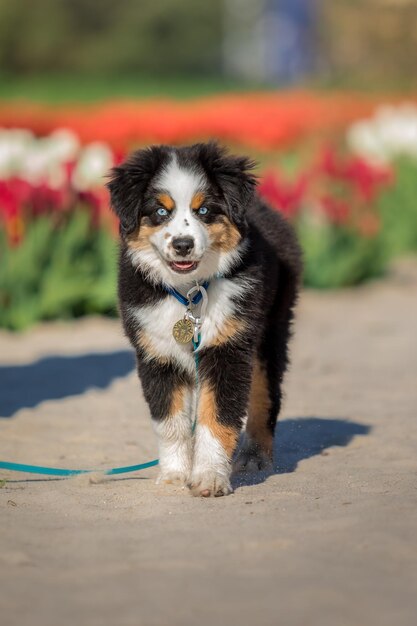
{"type": "Point", "coordinates": [183, 267]}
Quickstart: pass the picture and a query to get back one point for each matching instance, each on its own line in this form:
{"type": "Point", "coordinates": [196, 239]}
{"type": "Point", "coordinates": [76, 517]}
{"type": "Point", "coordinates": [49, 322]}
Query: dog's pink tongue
{"type": "Point", "coordinates": [184, 265]}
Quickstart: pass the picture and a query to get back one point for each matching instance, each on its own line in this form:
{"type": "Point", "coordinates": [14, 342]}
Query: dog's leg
{"type": "Point", "coordinates": [267, 377]}
{"type": "Point", "coordinates": [257, 450]}
{"type": "Point", "coordinates": [224, 374]}
{"type": "Point", "coordinates": [175, 439]}
{"type": "Point", "coordinates": [169, 395]}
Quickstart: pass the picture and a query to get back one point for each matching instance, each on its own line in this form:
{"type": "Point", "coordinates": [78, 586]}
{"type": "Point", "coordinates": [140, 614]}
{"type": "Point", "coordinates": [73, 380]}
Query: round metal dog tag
{"type": "Point", "coordinates": [183, 331]}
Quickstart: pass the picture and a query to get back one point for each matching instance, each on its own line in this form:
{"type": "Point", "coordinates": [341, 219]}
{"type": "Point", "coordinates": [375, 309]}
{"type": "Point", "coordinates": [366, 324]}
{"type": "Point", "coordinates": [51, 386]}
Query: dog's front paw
{"type": "Point", "coordinates": [210, 483]}
{"type": "Point", "coordinates": [173, 477]}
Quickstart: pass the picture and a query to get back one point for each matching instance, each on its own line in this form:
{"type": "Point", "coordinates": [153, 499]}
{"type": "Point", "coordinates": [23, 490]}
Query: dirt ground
{"type": "Point", "coordinates": [329, 540]}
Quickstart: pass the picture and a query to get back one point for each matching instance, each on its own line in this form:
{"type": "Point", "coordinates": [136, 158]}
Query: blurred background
{"type": "Point", "coordinates": [322, 93]}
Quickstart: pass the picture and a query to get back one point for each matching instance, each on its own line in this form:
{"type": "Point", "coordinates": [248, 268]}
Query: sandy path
{"type": "Point", "coordinates": [330, 539]}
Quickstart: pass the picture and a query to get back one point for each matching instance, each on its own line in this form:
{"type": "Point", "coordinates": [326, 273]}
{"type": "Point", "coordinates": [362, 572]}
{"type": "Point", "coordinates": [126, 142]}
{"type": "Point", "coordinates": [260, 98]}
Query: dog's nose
{"type": "Point", "coordinates": [183, 245]}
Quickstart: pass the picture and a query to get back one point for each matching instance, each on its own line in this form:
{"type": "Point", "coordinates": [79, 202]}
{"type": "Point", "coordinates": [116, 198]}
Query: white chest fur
{"type": "Point", "coordinates": [157, 321]}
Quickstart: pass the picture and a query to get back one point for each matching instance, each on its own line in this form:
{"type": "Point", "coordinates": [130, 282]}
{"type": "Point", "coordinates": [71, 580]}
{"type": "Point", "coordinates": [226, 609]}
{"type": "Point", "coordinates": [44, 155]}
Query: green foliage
{"type": "Point", "coordinates": [339, 256]}
{"type": "Point", "coordinates": [398, 210]}
{"type": "Point", "coordinates": [66, 267]}
{"type": "Point", "coordinates": [64, 88]}
{"type": "Point", "coordinates": [110, 36]}
{"type": "Point", "coordinates": [336, 256]}
{"type": "Point", "coordinates": [57, 272]}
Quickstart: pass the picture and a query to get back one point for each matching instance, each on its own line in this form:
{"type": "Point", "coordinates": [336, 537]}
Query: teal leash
{"type": "Point", "coordinates": [195, 346]}
{"type": "Point", "coordinates": [65, 473]}
{"type": "Point", "coordinates": [59, 471]}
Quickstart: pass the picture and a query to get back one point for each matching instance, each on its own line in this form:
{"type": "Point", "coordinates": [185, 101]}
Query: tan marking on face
{"type": "Point", "coordinates": [207, 416]}
{"type": "Point", "coordinates": [167, 235]}
{"type": "Point", "coordinates": [224, 235]}
{"type": "Point", "coordinates": [166, 201]}
{"type": "Point", "coordinates": [144, 341]}
{"type": "Point", "coordinates": [228, 331]}
{"type": "Point", "coordinates": [197, 200]}
{"type": "Point", "coordinates": [259, 408]}
{"type": "Point", "coordinates": [139, 239]}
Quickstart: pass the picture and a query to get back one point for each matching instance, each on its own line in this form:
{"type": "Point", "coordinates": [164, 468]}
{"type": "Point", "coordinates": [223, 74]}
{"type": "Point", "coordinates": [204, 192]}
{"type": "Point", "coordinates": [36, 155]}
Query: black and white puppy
{"type": "Point", "coordinates": [188, 216]}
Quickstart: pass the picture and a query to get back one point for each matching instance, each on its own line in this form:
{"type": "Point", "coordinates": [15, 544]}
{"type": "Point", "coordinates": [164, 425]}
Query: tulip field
{"type": "Point", "coordinates": [342, 168]}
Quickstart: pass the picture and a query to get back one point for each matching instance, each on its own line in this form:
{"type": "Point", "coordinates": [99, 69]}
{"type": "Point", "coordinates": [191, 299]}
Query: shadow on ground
{"type": "Point", "coordinates": [301, 438]}
{"type": "Point", "coordinates": [52, 378]}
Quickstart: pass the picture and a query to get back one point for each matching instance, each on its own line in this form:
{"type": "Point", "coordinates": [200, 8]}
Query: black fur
{"type": "Point", "coordinates": [271, 263]}
{"type": "Point", "coordinates": [129, 183]}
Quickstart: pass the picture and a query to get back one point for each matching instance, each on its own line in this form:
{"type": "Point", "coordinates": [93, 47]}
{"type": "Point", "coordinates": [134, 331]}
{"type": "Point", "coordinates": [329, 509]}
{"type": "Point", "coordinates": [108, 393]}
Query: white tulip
{"type": "Point", "coordinates": [42, 160]}
{"type": "Point", "coordinates": [390, 133]}
{"type": "Point", "coordinates": [14, 144]}
{"type": "Point", "coordinates": [95, 161]}
{"type": "Point", "coordinates": [63, 144]}
{"type": "Point", "coordinates": [363, 140]}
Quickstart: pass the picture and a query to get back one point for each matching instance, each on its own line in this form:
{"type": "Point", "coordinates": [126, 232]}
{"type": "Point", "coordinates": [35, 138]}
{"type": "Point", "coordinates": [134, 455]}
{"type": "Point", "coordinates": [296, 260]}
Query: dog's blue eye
{"type": "Point", "coordinates": [203, 210]}
{"type": "Point", "coordinates": [162, 212]}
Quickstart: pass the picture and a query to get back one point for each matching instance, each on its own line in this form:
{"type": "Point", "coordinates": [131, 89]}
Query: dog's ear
{"type": "Point", "coordinates": [233, 176]}
{"type": "Point", "coordinates": [128, 183]}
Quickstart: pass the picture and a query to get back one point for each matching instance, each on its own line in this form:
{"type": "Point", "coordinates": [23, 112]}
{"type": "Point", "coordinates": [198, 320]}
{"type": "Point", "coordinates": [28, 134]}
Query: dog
{"type": "Point", "coordinates": [190, 219]}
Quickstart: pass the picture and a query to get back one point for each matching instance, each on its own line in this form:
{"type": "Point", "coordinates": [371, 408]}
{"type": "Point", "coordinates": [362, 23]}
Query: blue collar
{"type": "Point", "coordinates": [173, 292]}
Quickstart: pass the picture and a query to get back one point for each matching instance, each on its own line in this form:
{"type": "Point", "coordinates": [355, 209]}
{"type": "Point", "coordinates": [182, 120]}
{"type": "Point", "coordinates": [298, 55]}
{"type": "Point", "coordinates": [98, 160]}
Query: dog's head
{"type": "Point", "coordinates": [182, 210]}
